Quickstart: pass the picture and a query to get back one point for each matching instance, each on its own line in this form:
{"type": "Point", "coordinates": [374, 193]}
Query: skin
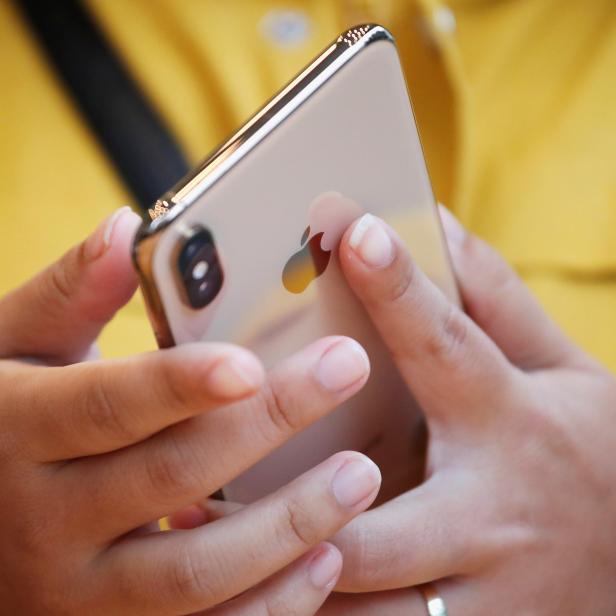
{"type": "Point", "coordinates": [92, 451]}
{"type": "Point", "coordinates": [517, 513]}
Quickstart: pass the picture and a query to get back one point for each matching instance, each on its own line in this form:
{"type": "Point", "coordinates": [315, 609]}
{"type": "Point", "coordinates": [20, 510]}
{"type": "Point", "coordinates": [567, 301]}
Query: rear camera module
{"type": "Point", "coordinates": [199, 268]}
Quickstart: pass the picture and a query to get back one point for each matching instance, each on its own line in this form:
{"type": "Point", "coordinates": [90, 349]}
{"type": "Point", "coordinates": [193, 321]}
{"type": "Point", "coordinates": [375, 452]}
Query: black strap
{"type": "Point", "coordinates": [134, 136]}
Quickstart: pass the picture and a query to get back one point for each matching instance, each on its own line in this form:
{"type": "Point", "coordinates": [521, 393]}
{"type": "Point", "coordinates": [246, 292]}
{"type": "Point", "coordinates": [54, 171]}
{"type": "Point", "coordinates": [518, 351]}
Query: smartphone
{"type": "Point", "coordinates": [244, 249]}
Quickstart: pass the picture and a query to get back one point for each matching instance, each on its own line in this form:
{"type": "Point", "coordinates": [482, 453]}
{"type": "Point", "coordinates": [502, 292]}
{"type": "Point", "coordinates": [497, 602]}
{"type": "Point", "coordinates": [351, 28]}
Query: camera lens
{"type": "Point", "coordinates": [200, 269]}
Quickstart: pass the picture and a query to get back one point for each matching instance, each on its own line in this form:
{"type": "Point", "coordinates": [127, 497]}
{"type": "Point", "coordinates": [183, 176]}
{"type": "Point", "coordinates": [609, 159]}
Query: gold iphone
{"type": "Point", "coordinates": [244, 249]}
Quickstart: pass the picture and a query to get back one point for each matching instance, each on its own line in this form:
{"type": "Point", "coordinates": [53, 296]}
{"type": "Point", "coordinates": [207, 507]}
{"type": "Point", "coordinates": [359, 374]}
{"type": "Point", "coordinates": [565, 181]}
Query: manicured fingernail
{"type": "Point", "coordinates": [454, 231]}
{"type": "Point", "coordinates": [355, 481]}
{"type": "Point", "coordinates": [342, 365]}
{"type": "Point", "coordinates": [235, 376]}
{"type": "Point", "coordinates": [102, 238]}
{"type": "Point", "coordinates": [371, 242]}
{"type": "Point", "coordinates": [325, 567]}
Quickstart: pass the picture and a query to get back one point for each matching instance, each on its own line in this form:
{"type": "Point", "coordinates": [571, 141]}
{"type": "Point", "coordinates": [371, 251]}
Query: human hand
{"type": "Point", "coordinates": [517, 514]}
{"type": "Point", "coordinates": [92, 451]}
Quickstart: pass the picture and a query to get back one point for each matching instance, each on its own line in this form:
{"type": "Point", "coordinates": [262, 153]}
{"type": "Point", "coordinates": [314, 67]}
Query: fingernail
{"type": "Point", "coordinates": [454, 231]}
{"type": "Point", "coordinates": [102, 238]}
{"type": "Point", "coordinates": [355, 481]}
{"type": "Point", "coordinates": [371, 242]}
{"type": "Point", "coordinates": [325, 567]}
{"type": "Point", "coordinates": [342, 365]}
{"type": "Point", "coordinates": [234, 376]}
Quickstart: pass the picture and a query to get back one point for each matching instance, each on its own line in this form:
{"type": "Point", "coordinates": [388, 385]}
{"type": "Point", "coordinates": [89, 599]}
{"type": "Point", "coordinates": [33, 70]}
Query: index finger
{"type": "Point", "coordinates": [448, 362]}
{"type": "Point", "coordinates": [100, 406]}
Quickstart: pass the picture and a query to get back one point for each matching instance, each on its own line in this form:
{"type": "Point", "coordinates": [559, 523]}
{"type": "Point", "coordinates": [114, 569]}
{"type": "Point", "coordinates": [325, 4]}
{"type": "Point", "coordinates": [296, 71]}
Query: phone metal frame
{"type": "Point", "coordinates": [191, 187]}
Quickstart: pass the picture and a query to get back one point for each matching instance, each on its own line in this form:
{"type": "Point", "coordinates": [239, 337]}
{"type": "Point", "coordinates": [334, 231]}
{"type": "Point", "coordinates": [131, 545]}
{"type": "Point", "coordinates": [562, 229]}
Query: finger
{"type": "Point", "coordinates": [451, 366]}
{"type": "Point", "coordinates": [199, 514]}
{"type": "Point", "coordinates": [189, 517]}
{"type": "Point", "coordinates": [99, 406]}
{"type": "Point", "coordinates": [299, 590]}
{"type": "Point", "coordinates": [199, 456]}
{"type": "Point", "coordinates": [58, 314]}
{"type": "Point", "coordinates": [183, 571]}
{"type": "Point", "coordinates": [435, 537]}
{"type": "Point", "coordinates": [501, 304]}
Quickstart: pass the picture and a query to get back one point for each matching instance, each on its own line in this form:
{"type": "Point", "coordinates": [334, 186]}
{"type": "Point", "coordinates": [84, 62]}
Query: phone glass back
{"type": "Point", "coordinates": [339, 141]}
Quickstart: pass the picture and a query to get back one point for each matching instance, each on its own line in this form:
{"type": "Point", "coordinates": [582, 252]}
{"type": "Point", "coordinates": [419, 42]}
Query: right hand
{"type": "Point", "coordinates": [91, 452]}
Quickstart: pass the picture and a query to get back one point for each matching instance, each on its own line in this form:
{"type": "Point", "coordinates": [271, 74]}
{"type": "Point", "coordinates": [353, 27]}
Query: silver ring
{"type": "Point", "coordinates": [434, 603]}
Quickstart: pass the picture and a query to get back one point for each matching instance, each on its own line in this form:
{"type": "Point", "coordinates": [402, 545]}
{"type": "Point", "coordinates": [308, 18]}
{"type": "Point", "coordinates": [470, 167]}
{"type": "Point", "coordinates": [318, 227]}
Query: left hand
{"type": "Point", "coordinates": [517, 514]}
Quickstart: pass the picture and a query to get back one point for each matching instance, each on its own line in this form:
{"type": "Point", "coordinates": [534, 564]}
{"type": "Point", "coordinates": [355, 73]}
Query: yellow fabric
{"type": "Point", "coordinates": [516, 102]}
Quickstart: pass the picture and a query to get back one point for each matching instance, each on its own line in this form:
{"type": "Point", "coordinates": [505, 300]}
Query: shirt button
{"type": "Point", "coordinates": [443, 20]}
{"type": "Point", "coordinates": [286, 28]}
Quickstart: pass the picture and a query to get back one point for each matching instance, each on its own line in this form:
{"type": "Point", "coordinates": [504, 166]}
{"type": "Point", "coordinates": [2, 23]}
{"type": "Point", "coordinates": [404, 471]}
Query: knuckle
{"type": "Point", "coordinates": [401, 287]}
{"type": "Point", "coordinates": [280, 416]}
{"type": "Point", "coordinates": [298, 526]}
{"type": "Point", "coordinates": [62, 279]}
{"type": "Point", "coordinates": [105, 414]}
{"type": "Point", "coordinates": [449, 338]}
{"type": "Point", "coordinates": [190, 582]}
{"type": "Point", "coordinates": [173, 469]}
{"type": "Point", "coordinates": [175, 389]}
{"type": "Point", "coordinates": [60, 282]}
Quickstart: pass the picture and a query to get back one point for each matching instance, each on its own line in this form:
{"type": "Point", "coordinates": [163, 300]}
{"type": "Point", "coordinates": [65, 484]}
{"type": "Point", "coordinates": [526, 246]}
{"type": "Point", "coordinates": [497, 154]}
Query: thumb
{"type": "Point", "coordinates": [501, 304]}
{"type": "Point", "coordinates": [58, 314]}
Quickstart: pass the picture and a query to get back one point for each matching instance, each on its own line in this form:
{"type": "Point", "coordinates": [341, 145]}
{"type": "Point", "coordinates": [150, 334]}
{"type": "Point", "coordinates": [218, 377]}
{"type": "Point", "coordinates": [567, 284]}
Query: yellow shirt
{"type": "Point", "coordinates": [516, 102]}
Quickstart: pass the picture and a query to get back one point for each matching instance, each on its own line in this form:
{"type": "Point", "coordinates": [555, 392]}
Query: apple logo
{"type": "Point", "coordinates": [330, 214]}
{"type": "Point", "coordinates": [306, 264]}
